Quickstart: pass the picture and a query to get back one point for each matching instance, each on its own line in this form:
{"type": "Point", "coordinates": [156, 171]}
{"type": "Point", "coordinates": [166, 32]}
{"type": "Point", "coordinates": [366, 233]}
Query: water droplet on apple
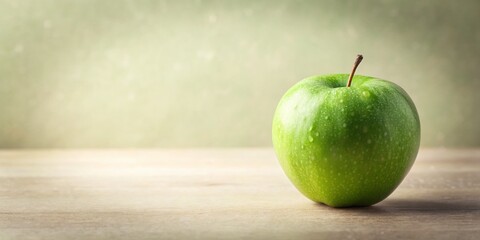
{"type": "Point", "coordinates": [326, 117]}
{"type": "Point", "coordinates": [310, 138]}
{"type": "Point", "coordinates": [366, 94]}
{"type": "Point", "coordinates": [310, 129]}
{"type": "Point", "coordinates": [341, 100]}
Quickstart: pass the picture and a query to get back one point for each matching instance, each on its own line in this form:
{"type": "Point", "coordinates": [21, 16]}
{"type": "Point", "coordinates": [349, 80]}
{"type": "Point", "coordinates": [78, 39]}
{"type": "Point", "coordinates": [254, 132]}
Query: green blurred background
{"type": "Point", "coordinates": [113, 73]}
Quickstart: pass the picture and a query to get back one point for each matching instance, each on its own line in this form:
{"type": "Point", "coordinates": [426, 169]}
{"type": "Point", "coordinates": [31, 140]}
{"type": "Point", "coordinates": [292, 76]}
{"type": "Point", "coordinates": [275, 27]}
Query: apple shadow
{"type": "Point", "coordinates": [430, 206]}
{"type": "Point", "coordinates": [412, 206]}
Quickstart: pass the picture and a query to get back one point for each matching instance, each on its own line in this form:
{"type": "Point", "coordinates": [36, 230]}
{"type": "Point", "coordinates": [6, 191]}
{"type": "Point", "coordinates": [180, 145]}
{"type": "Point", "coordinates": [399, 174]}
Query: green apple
{"type": "Point", "coordinates": [346, 140]}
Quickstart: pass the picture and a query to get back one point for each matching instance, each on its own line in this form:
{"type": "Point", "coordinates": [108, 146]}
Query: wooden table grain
{"type": "Point", "coordinates": [221, 194]}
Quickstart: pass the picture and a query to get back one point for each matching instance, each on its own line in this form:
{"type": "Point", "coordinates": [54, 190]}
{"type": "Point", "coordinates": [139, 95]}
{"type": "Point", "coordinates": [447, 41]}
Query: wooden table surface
{"type": "Point", "coordinates": [220, 194]}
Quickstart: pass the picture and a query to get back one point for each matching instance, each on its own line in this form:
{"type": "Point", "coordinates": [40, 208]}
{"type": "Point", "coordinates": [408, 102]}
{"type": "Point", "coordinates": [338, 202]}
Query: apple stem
{"type": "Point", "coordinates": [355, 65]}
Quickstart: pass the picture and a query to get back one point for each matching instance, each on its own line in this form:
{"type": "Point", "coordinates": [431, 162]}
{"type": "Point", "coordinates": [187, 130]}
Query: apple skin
{"type": "Point", "coordinates": [346, 146]}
